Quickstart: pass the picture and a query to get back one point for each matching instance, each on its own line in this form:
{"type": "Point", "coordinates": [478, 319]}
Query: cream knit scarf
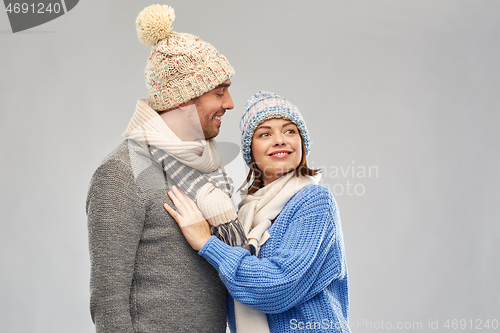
{"type": "Point", "coordinates": [194, 167]}
{"type": "Point", "coordinates": [256, 211]}
{"type": "Point", "coordinates": [147, 127]}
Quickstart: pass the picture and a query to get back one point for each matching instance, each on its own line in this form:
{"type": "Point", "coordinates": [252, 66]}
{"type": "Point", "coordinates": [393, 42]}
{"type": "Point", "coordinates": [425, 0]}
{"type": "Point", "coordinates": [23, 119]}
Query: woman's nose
{"type": "Point", "coordinates": [279, 139]}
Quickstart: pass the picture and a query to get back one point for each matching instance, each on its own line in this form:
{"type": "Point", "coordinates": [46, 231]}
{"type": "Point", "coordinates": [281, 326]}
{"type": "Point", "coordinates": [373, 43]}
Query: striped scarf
{"type": "Point", "coordinates": [212, 193]}
{"type": "Point", "coordinates": [193, 166]}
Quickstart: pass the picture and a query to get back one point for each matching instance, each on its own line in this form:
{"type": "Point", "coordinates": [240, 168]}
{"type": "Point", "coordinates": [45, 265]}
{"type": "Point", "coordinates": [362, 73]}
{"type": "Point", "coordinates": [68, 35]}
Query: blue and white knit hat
{"type": "Point", "coordinates": [267, 105]}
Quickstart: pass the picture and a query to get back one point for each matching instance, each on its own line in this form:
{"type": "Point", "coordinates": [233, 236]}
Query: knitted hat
{"type": "Point", "coordinates": [181, 66]}
{"type": "Point", "coordinates": [267, 105]}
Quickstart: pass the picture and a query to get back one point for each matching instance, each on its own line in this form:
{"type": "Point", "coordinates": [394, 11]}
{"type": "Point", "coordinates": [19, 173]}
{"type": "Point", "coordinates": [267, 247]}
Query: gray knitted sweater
{"type": "Point", "coordinates": [144, 275]}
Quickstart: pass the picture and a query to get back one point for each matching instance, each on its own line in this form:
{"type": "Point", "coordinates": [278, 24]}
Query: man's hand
{"type": "Point", "coordinates": [189, 218]}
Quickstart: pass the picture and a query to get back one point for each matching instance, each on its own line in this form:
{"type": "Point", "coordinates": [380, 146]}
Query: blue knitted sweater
{"type": "Point", "coordinates": [299, 278]}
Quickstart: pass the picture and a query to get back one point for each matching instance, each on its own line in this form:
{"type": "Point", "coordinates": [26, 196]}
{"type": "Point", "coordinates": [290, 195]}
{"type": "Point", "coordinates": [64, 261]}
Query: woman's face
{"type": "Point", "coordinates": [276, 148]}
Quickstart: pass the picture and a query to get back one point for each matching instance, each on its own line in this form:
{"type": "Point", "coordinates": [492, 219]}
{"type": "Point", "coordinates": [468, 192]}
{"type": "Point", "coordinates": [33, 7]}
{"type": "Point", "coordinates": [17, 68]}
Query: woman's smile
{"type": "Point", "coordinates": [281, 154]}
{"type": "Point", "coordinates": [276, 148]}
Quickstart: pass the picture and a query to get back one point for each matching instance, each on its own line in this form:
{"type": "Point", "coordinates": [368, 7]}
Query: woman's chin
{"type": "Point", "coordinates": [278, 173]}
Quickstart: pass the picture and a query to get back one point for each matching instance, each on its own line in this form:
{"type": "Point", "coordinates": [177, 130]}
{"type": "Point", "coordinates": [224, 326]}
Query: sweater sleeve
{"type": "Point", "coordinates": [115, 221]}
{"type": "Point", "coordinates": [308, 258]}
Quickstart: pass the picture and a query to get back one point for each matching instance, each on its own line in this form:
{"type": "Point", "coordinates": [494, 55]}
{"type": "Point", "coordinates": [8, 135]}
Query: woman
{"type": "Point", "coordinates": [293, 270]}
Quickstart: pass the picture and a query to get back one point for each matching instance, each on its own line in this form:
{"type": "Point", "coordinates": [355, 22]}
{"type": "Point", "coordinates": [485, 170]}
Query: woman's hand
{"type": "Point", "coordinates": [189, 218]}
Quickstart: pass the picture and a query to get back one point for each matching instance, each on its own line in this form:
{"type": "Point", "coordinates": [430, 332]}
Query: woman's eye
{"type": "Point", "coordinates": [290, 131]}
{"type": "Point", "coordinates": [263, 134]}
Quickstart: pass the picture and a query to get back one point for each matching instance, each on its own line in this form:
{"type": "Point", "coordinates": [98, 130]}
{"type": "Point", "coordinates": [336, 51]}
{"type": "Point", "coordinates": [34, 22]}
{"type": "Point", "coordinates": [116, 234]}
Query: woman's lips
{"type": "Point", "coordinates": [280, 154]}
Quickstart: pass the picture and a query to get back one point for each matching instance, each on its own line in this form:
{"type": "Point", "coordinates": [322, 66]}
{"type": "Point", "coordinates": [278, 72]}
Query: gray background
{"type": "Point", "coordinates": [410, 88]}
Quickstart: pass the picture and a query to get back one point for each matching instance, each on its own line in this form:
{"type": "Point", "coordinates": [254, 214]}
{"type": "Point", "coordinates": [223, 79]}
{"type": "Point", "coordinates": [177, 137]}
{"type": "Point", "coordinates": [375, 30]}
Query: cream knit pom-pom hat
{"type": "Point", "coordinates": [181, 66]}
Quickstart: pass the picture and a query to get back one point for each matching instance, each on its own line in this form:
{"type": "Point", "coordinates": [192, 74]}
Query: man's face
{"type": "Point", "coordinates": [211, 106]}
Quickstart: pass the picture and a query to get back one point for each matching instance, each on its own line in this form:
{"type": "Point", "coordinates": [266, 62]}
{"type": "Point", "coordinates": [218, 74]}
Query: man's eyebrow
{"type": "Point", "coordinates": [223, 85]}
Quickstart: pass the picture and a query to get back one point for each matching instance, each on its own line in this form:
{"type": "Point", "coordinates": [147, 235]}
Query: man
{"type": "Point", "coordinates": [144, 275]}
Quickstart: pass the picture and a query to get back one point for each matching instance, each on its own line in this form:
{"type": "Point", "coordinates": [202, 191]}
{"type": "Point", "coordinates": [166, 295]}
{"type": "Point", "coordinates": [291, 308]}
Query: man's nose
{"type": "Point", "coordinates": [227, 103]}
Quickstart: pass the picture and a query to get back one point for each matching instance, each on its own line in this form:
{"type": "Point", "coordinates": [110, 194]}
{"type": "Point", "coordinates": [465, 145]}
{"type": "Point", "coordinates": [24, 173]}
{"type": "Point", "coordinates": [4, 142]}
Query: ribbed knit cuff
{"type": "Point", "coordinates": [218, 253]}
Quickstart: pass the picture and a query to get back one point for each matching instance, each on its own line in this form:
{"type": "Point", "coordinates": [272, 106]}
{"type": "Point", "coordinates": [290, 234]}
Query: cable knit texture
{"type": "Point", "coordinates": [144, 275]}
{"type": "Point", "coordinates": [300, 274]}
{"type": "Point", "coordinates": [181, 66]}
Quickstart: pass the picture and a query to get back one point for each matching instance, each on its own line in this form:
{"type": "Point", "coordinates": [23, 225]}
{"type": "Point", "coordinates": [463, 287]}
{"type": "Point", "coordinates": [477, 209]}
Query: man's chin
{"type": "Point", "coordinates": [211, 135]}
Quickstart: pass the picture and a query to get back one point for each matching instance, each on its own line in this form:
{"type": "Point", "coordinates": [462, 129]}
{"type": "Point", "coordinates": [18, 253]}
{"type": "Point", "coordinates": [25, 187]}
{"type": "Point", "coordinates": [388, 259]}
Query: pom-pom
{"type": "Point", "coordinates": [154, 23]}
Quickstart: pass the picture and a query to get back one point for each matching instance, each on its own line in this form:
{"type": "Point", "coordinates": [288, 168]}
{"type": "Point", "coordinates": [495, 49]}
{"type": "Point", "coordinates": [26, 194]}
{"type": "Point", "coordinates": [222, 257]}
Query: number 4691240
{"type": "Point", "coordinates": [39, 8]}
{"type": "Point", "coordinates": [477, 324]}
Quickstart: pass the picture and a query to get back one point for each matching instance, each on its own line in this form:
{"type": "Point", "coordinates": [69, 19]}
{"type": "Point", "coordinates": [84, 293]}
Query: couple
{"type": "Point", "coordinates": [277, 265]}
